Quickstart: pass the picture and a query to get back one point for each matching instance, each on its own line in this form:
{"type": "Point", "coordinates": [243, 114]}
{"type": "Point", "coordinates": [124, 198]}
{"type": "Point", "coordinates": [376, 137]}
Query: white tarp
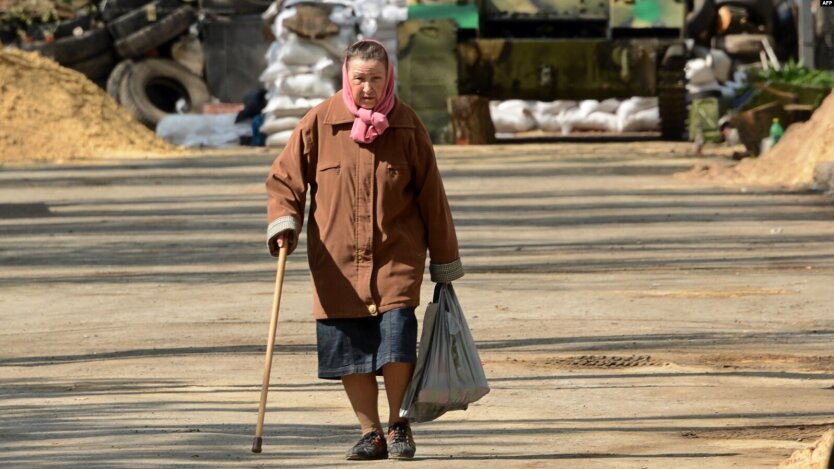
{"type": "Point", "coordinates": [202, 130]}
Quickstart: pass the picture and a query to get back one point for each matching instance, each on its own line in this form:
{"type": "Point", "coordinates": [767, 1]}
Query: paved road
{"type": "Point", "coordinates": [627, 318]}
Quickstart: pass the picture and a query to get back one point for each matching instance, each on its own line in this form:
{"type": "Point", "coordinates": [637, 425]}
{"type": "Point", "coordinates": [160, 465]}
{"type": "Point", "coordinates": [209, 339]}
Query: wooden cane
{"type": "Point", "coordinates": [270, 344]}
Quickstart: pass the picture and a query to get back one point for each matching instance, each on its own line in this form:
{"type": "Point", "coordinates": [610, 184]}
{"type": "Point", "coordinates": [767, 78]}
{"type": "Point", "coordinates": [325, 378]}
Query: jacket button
{"type": "Point", "coordinates": [372, 309]}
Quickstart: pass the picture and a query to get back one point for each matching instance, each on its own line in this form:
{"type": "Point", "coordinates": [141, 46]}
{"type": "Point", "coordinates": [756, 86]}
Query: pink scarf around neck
{"type": "Point", "coordinates": [369, 123]}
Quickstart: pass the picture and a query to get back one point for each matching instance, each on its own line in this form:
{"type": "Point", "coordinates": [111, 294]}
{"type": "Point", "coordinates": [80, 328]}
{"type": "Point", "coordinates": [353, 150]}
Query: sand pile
{"type": "Point", "coordinates": [817, 456]}
{"type": "Point", "coordinates": [52, 113]}
{"type": "Point", "coordinates": [789, 164]}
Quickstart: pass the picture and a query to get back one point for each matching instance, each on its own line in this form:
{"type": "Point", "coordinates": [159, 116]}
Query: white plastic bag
{"type": "Point", "coordinates": [202, 130]}
{"type": "Point", "coordinates": [721, 64]}
{"type": "Point", "coordinates": [698, 72]}
{"type": "Point", "coordinates": [448, 374]}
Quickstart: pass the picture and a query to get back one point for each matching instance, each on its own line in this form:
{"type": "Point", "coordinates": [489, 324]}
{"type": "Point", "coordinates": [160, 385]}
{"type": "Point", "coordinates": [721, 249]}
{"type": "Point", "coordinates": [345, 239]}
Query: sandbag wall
{"type": "Point", "coordinates": [564, 116]}
{"type": "Point", "coordinates": [304, 62]}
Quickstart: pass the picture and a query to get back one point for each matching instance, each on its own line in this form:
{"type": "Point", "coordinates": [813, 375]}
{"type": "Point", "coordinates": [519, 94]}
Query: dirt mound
{"type": "Point", "coordinates": [789, 164]}
{"type": "Point", "coordinates": [52, 113]}
{"type": "Point", "coordinates": [818, 456]}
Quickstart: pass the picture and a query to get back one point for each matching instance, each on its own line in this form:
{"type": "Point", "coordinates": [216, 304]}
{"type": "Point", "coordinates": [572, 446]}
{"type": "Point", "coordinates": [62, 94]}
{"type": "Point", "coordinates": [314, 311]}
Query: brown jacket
{"type": "Point", "coordinates": [374, 210]}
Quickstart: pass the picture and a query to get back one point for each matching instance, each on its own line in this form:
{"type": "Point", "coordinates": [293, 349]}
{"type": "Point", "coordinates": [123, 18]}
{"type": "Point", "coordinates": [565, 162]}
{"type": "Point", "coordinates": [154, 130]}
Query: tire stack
{"type": "Point", "coordinates": [80, 43]}
{"type": "Point", "coordinates": [146, 80]}
{"type": "Point", "coordinates": [126, 47]}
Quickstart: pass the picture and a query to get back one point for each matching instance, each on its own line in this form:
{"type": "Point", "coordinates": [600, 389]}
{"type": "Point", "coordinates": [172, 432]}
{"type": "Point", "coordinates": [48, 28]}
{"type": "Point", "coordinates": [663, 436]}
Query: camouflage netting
{"type": "Point", "coordinates": [51, 113]}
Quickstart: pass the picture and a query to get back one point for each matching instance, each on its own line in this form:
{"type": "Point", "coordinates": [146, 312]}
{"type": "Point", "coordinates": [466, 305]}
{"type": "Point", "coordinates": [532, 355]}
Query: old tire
{"type": "Point", "coordinates": [156, 34]}
{"type": "Point", "coordinates": [137, 19]}
{"type": "Point", "coordinates": [117, 75]}
{"type": "Point", "coordinates": [60, 29]}
{"type": "Point", "coordinates": [95, 68]}
{"type": "Point", "coordinates": [112, 9]}
{"type": "Point", "coordinates": [155, 86]}
{"type": "Point", "coordinates": [8, 32]}
{"type": "Point", "coordinates": [74, 49]}
{"type": "Point", "coordinates": [235, 7]}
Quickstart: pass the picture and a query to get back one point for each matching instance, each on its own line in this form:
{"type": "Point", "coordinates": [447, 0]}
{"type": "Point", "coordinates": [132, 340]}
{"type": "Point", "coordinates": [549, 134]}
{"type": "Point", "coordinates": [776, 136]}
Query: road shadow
{"type": "Point", "coordinates": [179, 226]}
{"type": "Point", "coordinates": [119, 429]}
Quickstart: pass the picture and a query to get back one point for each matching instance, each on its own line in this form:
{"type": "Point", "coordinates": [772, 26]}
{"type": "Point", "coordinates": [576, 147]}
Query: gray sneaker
{"type": "Point", "coordinates": [370, 446]}
{"type": "Point", "coordinates": [401, 441]}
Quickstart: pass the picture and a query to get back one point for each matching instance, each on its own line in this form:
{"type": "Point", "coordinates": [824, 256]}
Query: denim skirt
{"type": "Point", "coordinates": [364, 345]}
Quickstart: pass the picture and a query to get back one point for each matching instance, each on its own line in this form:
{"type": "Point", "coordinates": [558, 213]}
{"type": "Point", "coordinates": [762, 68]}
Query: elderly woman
{"type": "Point", "coordinates": [377, 205]}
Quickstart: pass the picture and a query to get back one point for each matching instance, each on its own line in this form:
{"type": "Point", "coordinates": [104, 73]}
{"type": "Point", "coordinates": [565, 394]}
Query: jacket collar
{"type": "Point", "coordinates": [338, 113]}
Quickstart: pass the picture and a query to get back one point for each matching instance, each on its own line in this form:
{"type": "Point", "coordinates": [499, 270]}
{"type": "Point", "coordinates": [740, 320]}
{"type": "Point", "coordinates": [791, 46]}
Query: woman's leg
{"type": "Point", "coordinates": [400, 439]}
{"type": "Point", "coordinates": [396, 377]}
{"type": "Point", "coordinates": [362, 390]}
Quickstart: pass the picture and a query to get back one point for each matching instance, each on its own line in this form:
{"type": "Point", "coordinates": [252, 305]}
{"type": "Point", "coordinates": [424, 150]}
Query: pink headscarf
{"type": "Point", "coordinates": [369, 123]}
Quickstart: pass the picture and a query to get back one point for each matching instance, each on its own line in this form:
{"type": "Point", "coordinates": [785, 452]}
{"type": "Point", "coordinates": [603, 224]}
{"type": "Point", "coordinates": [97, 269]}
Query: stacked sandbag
{"type": "Point", "coordinates": [550, 116]}
{"type": "Point", "coordinates": [304, 62]}
{"type": "Point", "coordinates": [512, 116]}
{"type": "Point", "coordinates": [637, 114]}
{"type": "Point", "coordinates": [594, 115]}
{"type": "Point", "coordinates": [378, 19]}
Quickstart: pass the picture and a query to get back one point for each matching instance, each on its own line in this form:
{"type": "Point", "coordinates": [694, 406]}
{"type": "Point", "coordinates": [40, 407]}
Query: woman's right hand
{"type": "Point", "coordinates": [280, 240]}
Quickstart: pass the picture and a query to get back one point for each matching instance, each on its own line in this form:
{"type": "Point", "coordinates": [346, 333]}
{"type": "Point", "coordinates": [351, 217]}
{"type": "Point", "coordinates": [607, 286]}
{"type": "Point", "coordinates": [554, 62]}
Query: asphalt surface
{"type": "Point", "coordinates": [626, 317]}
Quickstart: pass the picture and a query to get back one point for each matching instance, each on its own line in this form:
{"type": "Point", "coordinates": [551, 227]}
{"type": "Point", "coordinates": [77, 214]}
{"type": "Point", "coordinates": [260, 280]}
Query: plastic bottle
{"type": "Point", "coordinates": [776, 130]}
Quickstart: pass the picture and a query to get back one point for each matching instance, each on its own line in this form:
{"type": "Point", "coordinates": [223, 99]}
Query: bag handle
{"type": "Point", "coordinates": [438, 287]}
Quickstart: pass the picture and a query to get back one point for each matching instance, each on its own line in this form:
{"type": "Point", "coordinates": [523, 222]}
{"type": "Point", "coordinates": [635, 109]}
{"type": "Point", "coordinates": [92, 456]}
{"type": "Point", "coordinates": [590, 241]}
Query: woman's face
{"type": "Point", "coordinates": [367, 81]}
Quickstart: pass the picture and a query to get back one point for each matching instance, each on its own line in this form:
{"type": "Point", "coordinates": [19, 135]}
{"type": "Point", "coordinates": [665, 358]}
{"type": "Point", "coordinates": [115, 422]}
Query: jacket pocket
{"type": "Point", "coordinates": [336, 168]}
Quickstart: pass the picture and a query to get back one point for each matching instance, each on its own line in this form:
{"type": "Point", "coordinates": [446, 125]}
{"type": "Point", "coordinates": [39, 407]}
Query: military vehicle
{"type": "Point", "coordinates": [579, 49]}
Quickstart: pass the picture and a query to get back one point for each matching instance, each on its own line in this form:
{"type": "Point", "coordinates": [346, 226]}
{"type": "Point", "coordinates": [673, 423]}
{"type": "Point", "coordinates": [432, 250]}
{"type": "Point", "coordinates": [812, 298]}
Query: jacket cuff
{"type": "Point", "coordinates": [445, 273]}
{"type": "Point", "coordinates": [279, 225]}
